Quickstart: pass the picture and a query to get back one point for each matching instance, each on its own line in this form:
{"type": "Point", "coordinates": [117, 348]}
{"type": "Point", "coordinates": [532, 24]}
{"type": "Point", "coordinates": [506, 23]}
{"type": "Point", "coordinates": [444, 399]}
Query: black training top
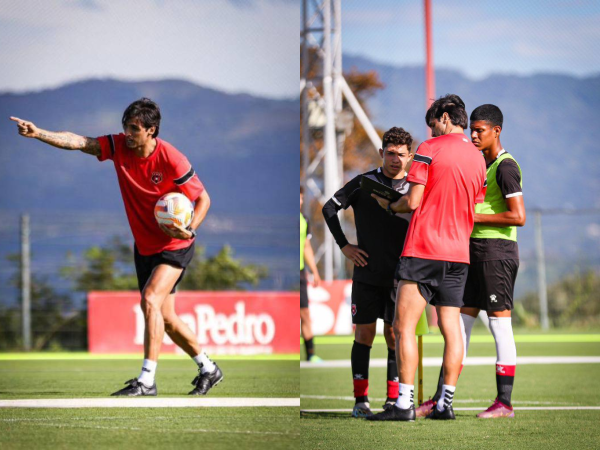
{"type": "Point", "coordinates": [508, 177]}
{"type": "Point", "coordinates": [380, 234]}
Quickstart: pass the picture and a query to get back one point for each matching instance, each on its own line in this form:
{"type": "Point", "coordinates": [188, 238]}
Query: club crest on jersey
{"type": "Point", "coordinates": [156, 177]}
{"type": "Point", "coordinates": [353, 309]}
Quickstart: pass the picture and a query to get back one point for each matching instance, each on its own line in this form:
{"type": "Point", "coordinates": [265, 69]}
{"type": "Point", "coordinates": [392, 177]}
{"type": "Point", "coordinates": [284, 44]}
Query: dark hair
{"type": "Point", "coordinates": [302, 189]}
{"type": "Point", "coordinates": [397, 136]}
{"type": "Point", "coordinates": [489, 113]}
{"type": "Point", "coordinates": [146, 111]}
{"type": "Point", "coordinates": [451, 104]}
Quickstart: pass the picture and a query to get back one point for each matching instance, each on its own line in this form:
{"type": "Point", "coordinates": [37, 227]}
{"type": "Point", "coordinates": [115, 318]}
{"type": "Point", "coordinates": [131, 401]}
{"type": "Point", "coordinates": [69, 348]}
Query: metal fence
{"type": "Point", "coordinates": [58, 240]}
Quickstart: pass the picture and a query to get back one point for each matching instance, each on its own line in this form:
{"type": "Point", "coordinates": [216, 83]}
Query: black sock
{"type": "Point", "coordinates": [360, 356]}
{"type": "Point", "coordinates": [392, 375]}
{"type": "Point", "coordinates": [392, 367]}
{"type": "Point", "coordinates": [310, 348]}
{"type": "Point", "coordinates": [504, 384]}
{"type": "Point", "coordinates": [438, 393]}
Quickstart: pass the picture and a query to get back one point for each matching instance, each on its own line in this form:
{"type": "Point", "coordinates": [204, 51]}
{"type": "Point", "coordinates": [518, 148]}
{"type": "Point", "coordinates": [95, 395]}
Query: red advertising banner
{"type": "Point", "coordinates": [330, 310]}
{"type": "Point", "coordinates": [330, 307]}
{"type": "Point", "coordinates": [241, 323]}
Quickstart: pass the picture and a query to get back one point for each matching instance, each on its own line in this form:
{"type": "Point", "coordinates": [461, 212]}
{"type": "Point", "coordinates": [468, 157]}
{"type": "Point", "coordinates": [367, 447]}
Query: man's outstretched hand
{"type": "Point", "coordinates": [27, 129]}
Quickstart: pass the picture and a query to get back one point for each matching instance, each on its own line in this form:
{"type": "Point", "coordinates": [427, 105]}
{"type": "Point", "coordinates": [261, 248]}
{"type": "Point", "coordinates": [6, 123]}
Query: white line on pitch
{"type": "Point", "coordinates": [456, 400]}
{"type": "Point", "coordinates": [219, 402]}
{"type": "Point", "coordinates": [160, 430]}
{"type": "Point", "coordinates": [470, 361]}
{"type": "Point", "coordinates": [517, 408]}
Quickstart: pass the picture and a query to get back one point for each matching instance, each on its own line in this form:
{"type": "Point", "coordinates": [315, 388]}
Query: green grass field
{"type": "Point", "coordinates": [192, 427]}
{"type": "Point", "coordinates": [536, 385]}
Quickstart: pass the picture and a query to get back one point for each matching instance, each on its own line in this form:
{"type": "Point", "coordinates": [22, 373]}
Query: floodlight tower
{"type": "Point", "coordinates": [321, 57]}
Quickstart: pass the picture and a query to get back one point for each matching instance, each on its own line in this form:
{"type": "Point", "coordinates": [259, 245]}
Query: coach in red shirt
{"type": "Point", "coordinates": [147, 168]}
{"type": "Point", "coordinates": [447, 178]}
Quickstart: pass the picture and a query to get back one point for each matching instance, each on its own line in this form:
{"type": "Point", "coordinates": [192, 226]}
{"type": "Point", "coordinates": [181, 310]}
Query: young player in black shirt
{"type": "Point", "coordinates": [380, 236]}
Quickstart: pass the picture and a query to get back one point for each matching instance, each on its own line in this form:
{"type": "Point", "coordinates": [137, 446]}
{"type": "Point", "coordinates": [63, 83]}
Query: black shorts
{"type": "Point", "coordinates": [303, 290]}
{"type": "Point", "coordinates": [370, 303]}
{"type": "Point", "coordinates": [144, 265]}
{"type": "Point", "coordinates": [491, 285]}
{"type": "Point", "coordinates": [442, 283]}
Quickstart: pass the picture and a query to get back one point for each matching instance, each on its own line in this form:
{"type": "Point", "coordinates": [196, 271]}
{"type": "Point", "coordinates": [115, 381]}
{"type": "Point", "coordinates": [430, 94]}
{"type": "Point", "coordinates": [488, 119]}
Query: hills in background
{"type": "Point", "coordinates": [244, 149]}
{"type": "Point", "coordinates": [548, 127]}
{"type": "Point", "coordinates": [546, 123]}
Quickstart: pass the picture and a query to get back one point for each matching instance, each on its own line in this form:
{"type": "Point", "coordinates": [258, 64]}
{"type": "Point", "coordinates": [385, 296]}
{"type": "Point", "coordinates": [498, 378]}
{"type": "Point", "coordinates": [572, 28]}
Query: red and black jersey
{"type": "Point", "coordinates": [454, 175]}
{"type": "Point", "coordinates": [143, 181]}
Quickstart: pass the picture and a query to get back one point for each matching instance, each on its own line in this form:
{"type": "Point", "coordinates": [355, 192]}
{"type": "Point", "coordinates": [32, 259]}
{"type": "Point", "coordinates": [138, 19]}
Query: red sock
{"type": "Point", "coordinates": [361, 388]}
{"type": "Point", "coordinates": [393, 389]}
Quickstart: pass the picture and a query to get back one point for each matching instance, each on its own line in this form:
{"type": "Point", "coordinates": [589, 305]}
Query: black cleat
{"type": "Point", "coordinates": [205, 381]}
{"type": "Point", "coordinates": [395, 413]}
{"type": "Point", "coordinates": [135, 389]}
{"type": "Point", "coordinates": [446, 414]}
{"type": "Point", "coordinates": [389, 402]}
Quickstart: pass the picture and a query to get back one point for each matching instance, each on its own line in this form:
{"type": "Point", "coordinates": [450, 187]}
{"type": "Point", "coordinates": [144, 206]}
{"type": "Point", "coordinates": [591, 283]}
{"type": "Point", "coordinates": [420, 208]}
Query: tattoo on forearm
{"type": "Point", "coordinates": [70, 141]}
{"type": "Point", "coordinates": [91, 146]}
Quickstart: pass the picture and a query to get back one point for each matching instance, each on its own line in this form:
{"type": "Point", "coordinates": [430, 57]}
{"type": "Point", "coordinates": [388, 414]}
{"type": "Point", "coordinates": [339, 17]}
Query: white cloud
{"type": "Point", "coordinates": [230, 45]}
{"type": "Point", "coordinates": [479, 38]}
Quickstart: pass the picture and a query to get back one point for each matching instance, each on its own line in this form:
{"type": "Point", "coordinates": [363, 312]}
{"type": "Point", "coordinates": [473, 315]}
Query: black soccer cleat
{"type": "Point", "coordinates": [134, 389]}
{"type": "Point", "coordinates": [446, 414]}
{"type": "Point", "coordinates": [389, 402]}
{"type": "Point", "coordinates": [395, 413]}
{"type": "Point", "coordinates": [205, 381]}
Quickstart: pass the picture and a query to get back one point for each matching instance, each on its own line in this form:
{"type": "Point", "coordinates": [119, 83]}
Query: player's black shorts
{"type": "Point", "coordinates": [303, 290]}
{"type": "Point", "coordinates": [442, 283]}
{"type": "Point", "coordinates": [144, 265]}
{"type": "Point", "coordinates": [370, 303]}
{"type": "Point", "coordinates": [491, 285]}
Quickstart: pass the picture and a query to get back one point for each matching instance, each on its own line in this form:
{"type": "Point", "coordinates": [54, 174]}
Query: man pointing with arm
{"type": "Point", "coordinates": [147, 168]}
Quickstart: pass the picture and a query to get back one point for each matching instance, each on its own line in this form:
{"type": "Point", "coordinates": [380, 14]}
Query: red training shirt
{"type": "Point", "coordinates": [143, 181]}
{"type": "Point", "coordinates": [454, 175]}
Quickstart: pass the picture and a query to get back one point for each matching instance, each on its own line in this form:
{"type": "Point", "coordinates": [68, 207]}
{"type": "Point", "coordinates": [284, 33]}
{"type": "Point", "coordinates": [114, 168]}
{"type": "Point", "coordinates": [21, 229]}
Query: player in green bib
{"type": "Point", "coordinates": [306, 256]}
{"type": "Point", "coordinates": [494, 256]}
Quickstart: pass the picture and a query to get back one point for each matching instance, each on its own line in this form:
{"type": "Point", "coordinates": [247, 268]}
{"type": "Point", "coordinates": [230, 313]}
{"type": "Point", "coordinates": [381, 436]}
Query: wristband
{"type": "Point", "coordinates": [191, 230]}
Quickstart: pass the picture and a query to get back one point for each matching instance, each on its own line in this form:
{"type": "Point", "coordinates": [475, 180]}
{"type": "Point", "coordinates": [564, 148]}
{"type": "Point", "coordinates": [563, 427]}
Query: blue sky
{"type": "Point", "coordinates": [479, 37]}
{"type": "Point", "coordinates": [233, 45]}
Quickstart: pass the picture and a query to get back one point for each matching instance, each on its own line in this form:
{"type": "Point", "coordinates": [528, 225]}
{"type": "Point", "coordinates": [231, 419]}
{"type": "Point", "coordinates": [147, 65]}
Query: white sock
{"type": "Point", "coordinates": [204, 363]}
{"type": "Point", "coordinates": [406, 395]}
{"type": "Point", "coordinates": [467, 322]}
{"type": "Point", "coordinates": [506, 350]}
{"type": "Point", "coordinates": [447, 397]}
{"type": "Point", "coordinates": [148, 372]}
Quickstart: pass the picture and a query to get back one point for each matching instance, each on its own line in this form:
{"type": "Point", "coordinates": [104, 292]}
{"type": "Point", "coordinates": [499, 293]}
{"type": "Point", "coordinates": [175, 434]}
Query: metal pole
{"type": "Point", "coordinates": [25, 283]}
{"type": "Point", "coordinates": [330, 160]}
{"type": "Point", "coordinates": [541, 270]}
{"type": "Point", "coordinates": [361, 115]}
{"type": "Point", "coordinates": [338, 260]}
{"type": "Point", "coordinates": [429, 73]}
{"type": "Point", "coordinates": [304, 99]}
{"type": "Point", "coordinates": [420, 371]}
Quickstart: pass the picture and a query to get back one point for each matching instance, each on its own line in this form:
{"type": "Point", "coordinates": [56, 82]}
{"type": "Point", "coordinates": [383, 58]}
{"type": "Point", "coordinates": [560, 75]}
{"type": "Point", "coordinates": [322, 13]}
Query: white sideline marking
{"type": "Point", "coordinates": [160, 430]}
{"type": "Point", "coordinates": [222, 402]}
{"type": "Point", "coordinates": [516, 408]}
{"type": "Point", "coordinates": [470, 361]}
{"type": "Point", "coordinates": [383, 399]}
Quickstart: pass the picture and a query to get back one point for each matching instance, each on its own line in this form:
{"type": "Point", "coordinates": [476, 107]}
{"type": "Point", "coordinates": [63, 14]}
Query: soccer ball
{"type": "Point", "coordinates": [174, 209]}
